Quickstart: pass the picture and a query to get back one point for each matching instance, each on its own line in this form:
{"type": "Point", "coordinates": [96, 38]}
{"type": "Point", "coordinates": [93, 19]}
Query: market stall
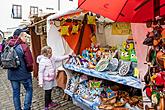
{"type": "Point", "coordinates": [150, 57]}
{"type": "Point", "coordinates": [37, 30]}
{"type": "Point", "coordinates": [104, 73]}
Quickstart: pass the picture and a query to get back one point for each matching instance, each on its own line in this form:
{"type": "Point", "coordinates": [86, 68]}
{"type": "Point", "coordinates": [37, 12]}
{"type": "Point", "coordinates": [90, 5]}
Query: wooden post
{"type": "Point", "coordinates": [81, 34]}
{"type": "Point", "coordinates": [36, 48]}
{"type": "Point", "coordinates": [156, 8]}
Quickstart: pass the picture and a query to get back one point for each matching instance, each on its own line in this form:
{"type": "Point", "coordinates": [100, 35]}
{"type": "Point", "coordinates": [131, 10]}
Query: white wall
{"type": "Point", "coordinates": [68, 5]}
{"type": "Point", "coordinates": [106, 38]}
{"type": "Point", "coordinates": [6, 9]}
{"type": "Point", "coordinates": [113, 40]}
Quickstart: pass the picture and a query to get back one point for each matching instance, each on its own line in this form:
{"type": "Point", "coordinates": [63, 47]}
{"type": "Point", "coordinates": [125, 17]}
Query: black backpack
{"type": "Point", "coordinates": [9, 57]}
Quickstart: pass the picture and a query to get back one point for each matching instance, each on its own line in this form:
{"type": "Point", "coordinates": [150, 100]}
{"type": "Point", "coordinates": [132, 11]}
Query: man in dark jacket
{"type": "Point", "coordinates": [22, 74]}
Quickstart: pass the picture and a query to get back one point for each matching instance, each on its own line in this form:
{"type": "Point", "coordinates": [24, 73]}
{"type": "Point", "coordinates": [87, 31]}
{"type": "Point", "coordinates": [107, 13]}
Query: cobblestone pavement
{"type": "Point", "coordinates": [6, 102]}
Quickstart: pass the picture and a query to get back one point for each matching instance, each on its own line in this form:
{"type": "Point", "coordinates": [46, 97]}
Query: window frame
{"type": "Point", "coordinates": [17, 13]}
{"type": "Point", "coordinates": [33, 10]}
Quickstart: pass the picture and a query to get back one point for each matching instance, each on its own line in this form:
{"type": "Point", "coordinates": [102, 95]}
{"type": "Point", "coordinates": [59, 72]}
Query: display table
{"type": "Point", "coordinates": [82, 102]}
{"type": "Point", "coordinates": [125, 80]}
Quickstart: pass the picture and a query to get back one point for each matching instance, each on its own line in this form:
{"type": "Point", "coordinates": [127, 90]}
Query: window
{"type": "Point", "coordinates": [17, 11]}
{"type": "Point", "coordinates": [33, 10]}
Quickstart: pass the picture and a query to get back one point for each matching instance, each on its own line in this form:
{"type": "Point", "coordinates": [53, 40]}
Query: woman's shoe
{"type": "Point", "coordinates": [46, 108]}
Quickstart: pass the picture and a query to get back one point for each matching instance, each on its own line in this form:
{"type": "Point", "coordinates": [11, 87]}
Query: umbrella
{"type": "Point", "coordinates": [137, 11]}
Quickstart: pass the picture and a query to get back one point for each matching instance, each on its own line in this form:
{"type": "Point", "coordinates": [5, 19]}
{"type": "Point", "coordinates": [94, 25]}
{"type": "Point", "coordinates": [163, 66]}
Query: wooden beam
{"type": "Point", "coordinates": [37, 23]}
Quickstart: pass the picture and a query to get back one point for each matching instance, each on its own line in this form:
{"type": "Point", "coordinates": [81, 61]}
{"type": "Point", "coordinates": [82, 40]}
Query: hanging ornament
{"type": "Point", "coordinates": [155, 97]}
{"type": "Point", "coordinates": [91, 20]}
{"type": "Point", "coordinates": [65, 30]}
{"type": "Point", "coordinates": [80, 24]}
{"type": "Point", "coordinates": [94, 39]}
{"type": "Point", "coordinates": [63, 21]}
{"type": "Point", "coordinates": [75, 29]}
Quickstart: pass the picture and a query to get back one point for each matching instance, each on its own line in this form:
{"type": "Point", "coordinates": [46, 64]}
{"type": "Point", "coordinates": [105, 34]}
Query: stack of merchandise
{"type": "Point", "coordinates": [106, 95]}
{"type": "Point", "coordinates": [155, 76]}
{"type": "Point", "coordinates": [120, 60]}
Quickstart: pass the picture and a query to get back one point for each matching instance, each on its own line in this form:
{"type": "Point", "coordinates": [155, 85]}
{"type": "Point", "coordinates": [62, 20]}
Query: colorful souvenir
{"type": "Point", "coordinates": [124, 68]}
{"type": "Point", "coordinates": [63, 21]}
{"type": "Point", "coordinates": [85, 54]}
{"type": "Point", "coordinates": [136, 72]}
{"type": "Point", "coordinates": [102, 65]}
{"type": "Point", "coordinates": [82, 89]}
{"type": "Point", "coordinates": [95, 48]}
{"type": "Point", "coordinates": [92, 58]}
{"type": "Point", "coordinates": [78, 61]}
{"type": "Point", "coordinates": [162, 101]}
{"type": "Point", "coordinates": [140, 104]}
{"type": "Point", "coordinates": [95, 94]}
{"type": "Point", "coordinates": [94, 39]}
{"type": "Point", "coordinates": [133, 100]}
{"type": "Point", "coordinates": [75, 29]}
{"type": "Point", "coordinates": [119, 104]}
{"type": "Point", "coordinates": [109, 93]}
{"type": "Point", "coordinates": [124, 55]}
{"type": "Point", "coordinates": [106, 107]}
{"type": "Point", "coordinates": [133, 57]}
{"type": "Point", "coordinates": [148, 90]}
{"type": "Point", "coordinates": [85, 93]}
{"type": "Point", "coordinates": [65, 30]}
{"type": "Point", "coordinates": [91, 19]}
{"type": "Point", "coordinates": [83, 78]}
{"type": "Point", "coordinates": [159, 79]}
{"type": "Point", "coordinates": [72, 60]}
{"type": "Point", "coordinates": [73, 83]}
{"type": "Point", "coordinates": [95, 84]}
{"type": "Point", "coordinates": [160, 58]}
{"type": "Point", "coordinates": [151, 56]}
{"type": "Point", "coordinates": [107, 55]}
{"type": "Point", "coordinates": [91, 66]}
{"type": "Point", "coordinates": [113, 65]}
{"type": "Point", "coordinates": [92, 95]}
{"type": "Point", "coordinates": [155, 97]}
{"type": "Point", "coordinates": [124, 44]}
{"type": "Point", "coordinates": [97, 100]}
{"type": "Point", "coordinates": [112, 100]}
{"type": "Point", "coordinates": [130, 43]}
{"type": "Point", "coordinates": [103, 94]}
{"type": "Point", "coordinates": [82, 61]}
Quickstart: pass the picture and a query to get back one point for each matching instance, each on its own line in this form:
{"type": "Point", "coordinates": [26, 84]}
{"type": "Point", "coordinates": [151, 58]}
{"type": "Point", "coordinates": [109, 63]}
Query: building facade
{"type": "Point", "coordinates": [17, 12]}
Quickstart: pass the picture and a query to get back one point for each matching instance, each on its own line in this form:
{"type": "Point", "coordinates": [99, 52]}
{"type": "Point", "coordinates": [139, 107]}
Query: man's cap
{"type": "Point", "coordinates": [17, 32]}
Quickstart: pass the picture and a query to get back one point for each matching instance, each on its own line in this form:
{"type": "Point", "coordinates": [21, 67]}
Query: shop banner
{"type": "Point", "coordinates": [121, 29]}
